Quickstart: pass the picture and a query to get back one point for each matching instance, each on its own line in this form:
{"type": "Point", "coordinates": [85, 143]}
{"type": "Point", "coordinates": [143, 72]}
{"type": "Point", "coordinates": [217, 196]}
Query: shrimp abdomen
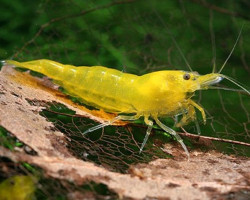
{"type": "Point", "coordinates": [98, 86]}
{"type": "Point", "coordinates": [49, 68]}
{"type": "Point", "coordinates": [104, 88]}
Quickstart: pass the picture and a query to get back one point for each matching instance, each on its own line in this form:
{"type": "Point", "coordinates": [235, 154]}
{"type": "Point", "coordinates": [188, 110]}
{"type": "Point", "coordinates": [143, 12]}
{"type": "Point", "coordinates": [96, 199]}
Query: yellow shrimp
{"type": "Point", "coordinates": [158, 94]}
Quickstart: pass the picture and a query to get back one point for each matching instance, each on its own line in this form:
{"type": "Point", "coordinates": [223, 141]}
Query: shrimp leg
{"type": "Point", "coordinates": [150, 125]}
{"type": "Point", "coordinates": [119, 117]}
{"type": "Point", "coordinates": [200, 109]}
{"type": "Point", "coordinates": [172, 132]}
{"type": "Point", "coordinates": [187, 117]}
{"type": "Point", "coordinates": [191, 116]}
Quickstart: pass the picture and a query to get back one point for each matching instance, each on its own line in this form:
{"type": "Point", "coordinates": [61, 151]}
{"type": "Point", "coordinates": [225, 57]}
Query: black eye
{"type": "Point", "coordinates": [186, 76]}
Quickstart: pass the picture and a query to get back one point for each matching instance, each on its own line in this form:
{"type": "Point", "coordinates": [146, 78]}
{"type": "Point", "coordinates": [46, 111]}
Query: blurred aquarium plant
{"type": "Point", "coordinates": [134, 36]}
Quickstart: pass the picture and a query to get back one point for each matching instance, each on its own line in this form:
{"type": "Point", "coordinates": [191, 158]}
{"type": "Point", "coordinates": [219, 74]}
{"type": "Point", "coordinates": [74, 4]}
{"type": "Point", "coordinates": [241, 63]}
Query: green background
{"type": "Point", "coordinates": [136, 37]}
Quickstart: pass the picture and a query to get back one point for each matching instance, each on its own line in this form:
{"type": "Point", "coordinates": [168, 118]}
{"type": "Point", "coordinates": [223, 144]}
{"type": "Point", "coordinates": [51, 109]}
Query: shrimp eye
{"type": "Point", "coordinates": [186, 76]}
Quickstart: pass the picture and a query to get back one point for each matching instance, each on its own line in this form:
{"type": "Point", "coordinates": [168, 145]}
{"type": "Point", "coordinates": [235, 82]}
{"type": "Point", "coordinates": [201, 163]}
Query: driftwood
{"type": "Point", "coordinates": [207, 175]}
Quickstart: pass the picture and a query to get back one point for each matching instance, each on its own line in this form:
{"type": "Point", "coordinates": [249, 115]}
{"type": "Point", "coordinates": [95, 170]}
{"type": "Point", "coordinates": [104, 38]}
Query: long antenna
{"type": "Point", "coordinates": [173, 39]}
{"type": "Point", "coordinates": [212, 39]}
{"type": "Point", "coordinates": [231, 50]}
{"type": "Point", "coordinates": [228, 89]}
{"type": "Point", "coordinates": [234, 82]}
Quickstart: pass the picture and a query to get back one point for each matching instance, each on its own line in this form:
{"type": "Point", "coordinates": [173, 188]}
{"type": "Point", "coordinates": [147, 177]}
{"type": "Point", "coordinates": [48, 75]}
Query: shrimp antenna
{"type": "Point", "coordinates": [231, 50]}
{"type": "Point", "coordinates": [225, 88]}
{"type": "Point", "coordinates": [234, 82]}
{"type": "Point", "coordinates": [174, 40]}
{"type": "Point", "coordinates": [213, 40]}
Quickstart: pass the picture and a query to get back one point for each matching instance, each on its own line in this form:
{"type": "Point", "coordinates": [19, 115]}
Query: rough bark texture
{"type": "Point", "coordinates": [206, 176]}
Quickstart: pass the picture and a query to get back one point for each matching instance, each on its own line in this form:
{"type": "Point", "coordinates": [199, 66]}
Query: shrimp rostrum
{"type": "Point", "coordinates": [151, 96]}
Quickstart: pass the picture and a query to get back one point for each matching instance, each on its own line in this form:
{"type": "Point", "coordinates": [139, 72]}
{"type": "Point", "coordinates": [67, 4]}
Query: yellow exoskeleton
{"type": "Point", "coordinates": [152, 96]}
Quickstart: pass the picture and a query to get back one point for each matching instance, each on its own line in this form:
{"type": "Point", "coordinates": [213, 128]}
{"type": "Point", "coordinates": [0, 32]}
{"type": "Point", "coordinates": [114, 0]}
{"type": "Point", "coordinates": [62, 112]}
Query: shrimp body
{"type": "Point", "coordinates": [153, 95]}
{"type": "Point", "coordinates": [158, 93]}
